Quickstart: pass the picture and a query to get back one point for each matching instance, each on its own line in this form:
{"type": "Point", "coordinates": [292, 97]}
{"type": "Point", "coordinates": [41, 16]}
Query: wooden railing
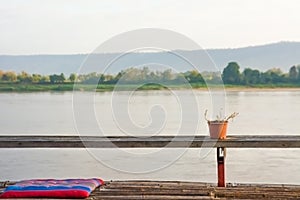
{"type": "Point", "coordinates": [245, 141]}
{"type": "Point", "coordinates": [241, 141]}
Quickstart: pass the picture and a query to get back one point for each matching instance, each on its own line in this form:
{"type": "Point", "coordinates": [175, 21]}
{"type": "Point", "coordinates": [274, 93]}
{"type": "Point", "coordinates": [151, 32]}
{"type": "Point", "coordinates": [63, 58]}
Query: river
{"type": "Point", "coordinates": [49, 113]}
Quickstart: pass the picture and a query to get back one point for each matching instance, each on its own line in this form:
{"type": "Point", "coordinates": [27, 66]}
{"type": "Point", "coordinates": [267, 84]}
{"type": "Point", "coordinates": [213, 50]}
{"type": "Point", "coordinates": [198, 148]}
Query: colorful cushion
{"type": "Point", "coordinates": [52, 188]}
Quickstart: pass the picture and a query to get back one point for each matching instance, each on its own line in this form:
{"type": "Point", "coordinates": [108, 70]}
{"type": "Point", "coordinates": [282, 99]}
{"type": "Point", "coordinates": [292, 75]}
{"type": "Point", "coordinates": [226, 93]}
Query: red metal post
{"type": "Point", "coordinates": [221, 166]}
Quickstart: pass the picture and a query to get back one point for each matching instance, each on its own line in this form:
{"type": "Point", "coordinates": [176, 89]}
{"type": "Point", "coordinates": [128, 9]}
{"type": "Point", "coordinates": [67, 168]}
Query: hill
{"type": "Point", "coordinates": [263, 57]}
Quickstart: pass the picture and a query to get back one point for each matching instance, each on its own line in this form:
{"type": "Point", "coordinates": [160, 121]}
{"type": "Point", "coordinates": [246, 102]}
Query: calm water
{"type": "Point", "coordinates": [261, 112]}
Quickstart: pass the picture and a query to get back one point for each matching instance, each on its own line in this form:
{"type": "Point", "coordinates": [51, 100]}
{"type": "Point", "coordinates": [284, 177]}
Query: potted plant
{"type": "Point", "coordinates": [218, 127]}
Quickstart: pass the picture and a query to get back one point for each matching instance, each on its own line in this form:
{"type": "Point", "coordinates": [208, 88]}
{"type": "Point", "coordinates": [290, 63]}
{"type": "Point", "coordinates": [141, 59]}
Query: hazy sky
{"type": "Point", "coordinates": [79, 26]}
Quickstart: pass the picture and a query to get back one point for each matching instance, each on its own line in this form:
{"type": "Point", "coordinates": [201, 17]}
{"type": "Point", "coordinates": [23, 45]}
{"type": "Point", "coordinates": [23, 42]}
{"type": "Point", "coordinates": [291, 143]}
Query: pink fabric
{"type": "Point", "coordinates": [52, 188]}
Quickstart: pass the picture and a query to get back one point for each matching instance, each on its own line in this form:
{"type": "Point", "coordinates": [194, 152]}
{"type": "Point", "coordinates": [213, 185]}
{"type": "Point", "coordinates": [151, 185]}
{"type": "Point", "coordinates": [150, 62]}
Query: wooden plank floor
{"type": "Point", "coordinates": [131, 190]}
{"type": "Point", "coordinates": [191, 190]}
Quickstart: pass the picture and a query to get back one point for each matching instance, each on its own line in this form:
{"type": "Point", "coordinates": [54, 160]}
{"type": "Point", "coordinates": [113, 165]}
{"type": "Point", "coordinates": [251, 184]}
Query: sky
{"type": "Point", "coordinates": [79, 26]}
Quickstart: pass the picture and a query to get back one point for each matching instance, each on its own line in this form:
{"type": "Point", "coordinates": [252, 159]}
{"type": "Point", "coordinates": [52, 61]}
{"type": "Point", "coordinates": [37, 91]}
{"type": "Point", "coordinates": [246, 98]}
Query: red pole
{"type": "Point", "coordinates": [221, 166]}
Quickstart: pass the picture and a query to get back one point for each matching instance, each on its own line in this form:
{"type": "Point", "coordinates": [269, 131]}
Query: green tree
{"type": "Point", "coordinates": [44, 79]}
{"type": "Point", "coordinates": [298, 69]}
{"type": "Point", "coordinates": [102, 78]}
{"type": "Point", "coordinates": [276, 75]}
{"type": "Point", "coordinates": [1, 74]}
{"type": "Point", "coordinates": [9, 76]}
{"type": "Point", "coordinates": [293, 74]}
{"type": "Point", "coordinates": [91, 78]}
{"type": "Point", "coordinates": [24, 77]}
{"type": "Point", "coordinates": [251, 76]}
{"type": "Point", "coordinates": [167, 75]}
{"type": "Point", "coordinates": [110, 79]}
{"type": "Point", "coordinates": [153, 76]}
{"type": "Point", "coordinates": [36, 78]}
{"type": "Point", "coordinates": [231, 74]}
{"type": "Point", "coordinates": [62, 78]}
{"type": "Point", "coordinates": [53, 78]}
{"type": "Point", "coordinates": [194, 77]}
{"type": "Point", "coordinates": [132, 75]}
{"type": "Point", "coordinates": [145, 73]}
{"type": "Point", "coordinates": [212, 77]}
{"type": "Point", "coordinates": [72, 77]}
{"type": "Point", "coordinates": [57, 78]}
{"type": "Point", "coordinates": [266, 78]}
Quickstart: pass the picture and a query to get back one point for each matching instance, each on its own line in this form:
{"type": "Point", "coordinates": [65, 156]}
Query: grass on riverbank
{"type": "Point", "coordinates": [35, 87]}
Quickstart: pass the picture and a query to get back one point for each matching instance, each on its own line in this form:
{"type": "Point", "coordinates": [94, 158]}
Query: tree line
{"type": "Point", "coordinates": [230, 75]}
{"type": "Point", "coordinates": [24, 77]}
{"type": "Point", "coordinates": [128, 76]}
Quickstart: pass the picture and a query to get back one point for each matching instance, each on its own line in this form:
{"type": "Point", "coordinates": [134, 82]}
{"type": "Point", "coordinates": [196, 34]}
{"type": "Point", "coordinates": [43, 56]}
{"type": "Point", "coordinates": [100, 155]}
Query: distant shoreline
{"type": "Point", "coordinates": [17, 87]}
{"type": "Point", "coordinates": [275, 89]}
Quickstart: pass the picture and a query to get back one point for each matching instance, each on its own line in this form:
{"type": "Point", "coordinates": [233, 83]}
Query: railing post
{"type": "Point", "coordinates": [221, 154]}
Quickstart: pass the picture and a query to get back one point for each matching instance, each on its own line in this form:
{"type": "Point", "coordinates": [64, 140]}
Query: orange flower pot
{"type": "Point", "coordinates": [217, 129]}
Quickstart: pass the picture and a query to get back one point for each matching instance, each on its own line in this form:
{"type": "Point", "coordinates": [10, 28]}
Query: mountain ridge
{"type": "Point", "coordinates": [263, 57]}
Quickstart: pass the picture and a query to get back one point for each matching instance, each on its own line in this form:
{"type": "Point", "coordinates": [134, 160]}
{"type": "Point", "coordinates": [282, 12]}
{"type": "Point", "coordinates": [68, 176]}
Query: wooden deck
{"type": "Point", "coordinates": [191, 190]}
{"type": "Point", "coordinates": [151, 190]}
{"type": "Point", "coordinates": [131, 190]}
{"type": "Point", "coordinates": [171, 189]}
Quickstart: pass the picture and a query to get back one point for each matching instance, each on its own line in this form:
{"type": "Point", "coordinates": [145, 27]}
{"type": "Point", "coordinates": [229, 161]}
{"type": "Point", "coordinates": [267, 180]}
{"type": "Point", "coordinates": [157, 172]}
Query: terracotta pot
{"type": "Point", "coordinates": [217, 129]}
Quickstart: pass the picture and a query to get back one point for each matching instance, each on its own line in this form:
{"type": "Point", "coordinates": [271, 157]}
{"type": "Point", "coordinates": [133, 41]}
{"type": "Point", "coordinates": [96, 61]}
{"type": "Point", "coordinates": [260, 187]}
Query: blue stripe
{"type": "Point", "coordinates": [46, 188]}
